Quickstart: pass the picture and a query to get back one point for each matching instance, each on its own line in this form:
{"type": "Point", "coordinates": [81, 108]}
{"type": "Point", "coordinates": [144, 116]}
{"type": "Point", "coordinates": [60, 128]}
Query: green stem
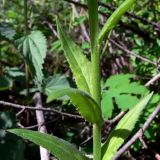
{"type": "Point", "coordinates": [95, 60]}
{"type": "Point", "coordinates": [96, 95]}
{"type": "Point", "coordinates": [96, 142]}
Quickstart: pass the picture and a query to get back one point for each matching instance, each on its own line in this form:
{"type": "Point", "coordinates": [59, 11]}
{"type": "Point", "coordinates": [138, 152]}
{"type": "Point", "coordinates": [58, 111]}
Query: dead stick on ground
{"type": "Point", "coordinates": [44, 154]}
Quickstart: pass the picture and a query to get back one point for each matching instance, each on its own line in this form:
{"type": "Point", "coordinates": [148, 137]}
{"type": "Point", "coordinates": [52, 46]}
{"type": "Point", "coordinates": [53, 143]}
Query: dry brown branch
{"type": "Point", "coordinates": [44, 154]}
{"type": "Point", "coordinates": [42, 109]}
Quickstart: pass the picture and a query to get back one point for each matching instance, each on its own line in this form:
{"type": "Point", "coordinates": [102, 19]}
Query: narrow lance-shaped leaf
{"type": "Point", "coordinates": [123, 129]}
{"type": "Point", "coordinates": [86, 105]}
{"type": "Point", "coordinates": [114, 18]}
{"type": "Point", "coordinates": [58, 147]}
{"type": "Point", "coordinates": [79, 64]}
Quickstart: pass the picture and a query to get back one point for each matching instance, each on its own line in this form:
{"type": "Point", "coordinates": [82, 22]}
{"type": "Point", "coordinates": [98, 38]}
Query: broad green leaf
{"type": "Point", "coordinates": [55, 82]}
{"type": "Point", "coordinates": [107, 104]}
{"type": "Point", "coordinates": [79, 64]}
{"type": "Point", "coordinates": [118, 79]}
{"type": "Point", "coordinates": [114, 18]}
{"type": "Point", "coordinates": [123, 129]}
{"type": "Point", "coordinates": [126, 101]}
{"type": "Point", "coordinates": [33, 48]}
{"type": "Point", "coordinates": [5, 83]}
{"type": "Point", "coordinates": [86, 105]}
{"type": "Point", "coordinates": [124, 92]}
{"type": "Point", "coordinates": [58, 147]}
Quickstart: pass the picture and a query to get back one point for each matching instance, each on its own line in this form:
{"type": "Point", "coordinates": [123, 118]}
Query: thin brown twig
{"type": "Point", "coordinates": [36, 125]}
{"type": "Point", "coordinates": [116, 118]}
{"type": "Point", "coordinates": [138, 134]}
{"type": "Point", "coordinates": [151, 81]}
{"type": "Point", "coordinates": [144, 20]}
{"type": "Point", "coordinates": [131, 53]}
{"type": "Point", "coordinates": [43, 109]}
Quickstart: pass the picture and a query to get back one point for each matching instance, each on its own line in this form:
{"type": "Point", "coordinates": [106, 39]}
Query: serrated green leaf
{"type": "Point", "coordinates": [107, 104]}
{"type": "Point", "coordinates": [33, 48]}
{"type": "Point", "coordinates": [5, 83]}
{"type": "Point", "coordinates": [86, 105]}
{"type": "Point", "coordinates": [123, 91]}
{"type": "Point", "coordinates": [131, 88]}
{"type": "Point", "coordinates": [123, 129]}
{"type": "Point", "coordinates": [114, 18]}
{"type": "Point", "coordinates": [118, 80]}
{"type": "Point", "coordinates": [79, 64]}
{"type": "Point", "coordinates": [58, 147]}
{"type": "Point", "coordinates": [126, 101]}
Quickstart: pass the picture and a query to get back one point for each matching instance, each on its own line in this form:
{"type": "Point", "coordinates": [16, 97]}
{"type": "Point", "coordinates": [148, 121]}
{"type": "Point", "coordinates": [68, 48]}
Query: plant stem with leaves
{"type": "Point", "coordinates": [95, 61]}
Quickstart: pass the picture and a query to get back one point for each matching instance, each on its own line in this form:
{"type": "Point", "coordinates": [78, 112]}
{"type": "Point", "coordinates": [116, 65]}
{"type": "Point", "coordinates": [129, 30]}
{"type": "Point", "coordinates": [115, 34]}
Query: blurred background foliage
{"type": "Point", "coordinates": [133, 51]}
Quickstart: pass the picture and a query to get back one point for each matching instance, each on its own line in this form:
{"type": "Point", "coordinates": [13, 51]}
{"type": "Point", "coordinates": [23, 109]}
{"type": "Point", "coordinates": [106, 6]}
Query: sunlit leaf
{"type": "Point", "coordinates": [123, 129]}
{"type": "Point", "coordinates": [79, 64]}
{"type": "Point", "coordinates": [86, 105]}
{"type": "Point", "coordinates": [122, 91]}
{"type": "Point", "coordinates": [114, 18]}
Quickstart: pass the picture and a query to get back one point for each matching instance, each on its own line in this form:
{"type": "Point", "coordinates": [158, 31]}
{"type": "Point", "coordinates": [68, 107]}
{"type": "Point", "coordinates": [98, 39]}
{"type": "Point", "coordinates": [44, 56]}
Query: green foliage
{"type": "Point", "coordinates": [55, 82]}
{"type": "Point", "coordinates": [79, 64]}
{"type": "Point", "coordinates": [11, 147]}
{"type": "Point", "coordinates": [121, 89]}
{"type": "Point", "coordinates": [7, 31]}
{"type": "Point", "coordinates": [14, 72]}
{"type": "Point", "coordinates": [5, 83]}
{"type": "Point", "coordinates": [114, 18]}
{"type": "Point", "coordinates": [86, 105]}
{"type": "Point", "coordinates": [56, 46]}
{"type": "Point", "coordinates": [123, 129]}
{"type": "Point", "coordinates": [58, 147]}
{"type": "Point", "coordinates": [33, 48]}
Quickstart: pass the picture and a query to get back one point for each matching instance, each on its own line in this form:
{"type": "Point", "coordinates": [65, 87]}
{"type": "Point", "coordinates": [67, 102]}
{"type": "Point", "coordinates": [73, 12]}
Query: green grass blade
{"type": "Point", "coordinates": [123, 129]}
{"type": "Point", "coordinates": [79, 64]}
{"type": "Point", "coordinates": [58, 147]}
{"type": "Point", "coordinates": [86, 105]}
{"type": "Point", "coordinates": [114, 18]}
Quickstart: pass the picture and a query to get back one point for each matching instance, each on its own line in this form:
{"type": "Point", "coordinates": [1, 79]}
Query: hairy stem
{"type": "Point", "coordinates": [95, 60]}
